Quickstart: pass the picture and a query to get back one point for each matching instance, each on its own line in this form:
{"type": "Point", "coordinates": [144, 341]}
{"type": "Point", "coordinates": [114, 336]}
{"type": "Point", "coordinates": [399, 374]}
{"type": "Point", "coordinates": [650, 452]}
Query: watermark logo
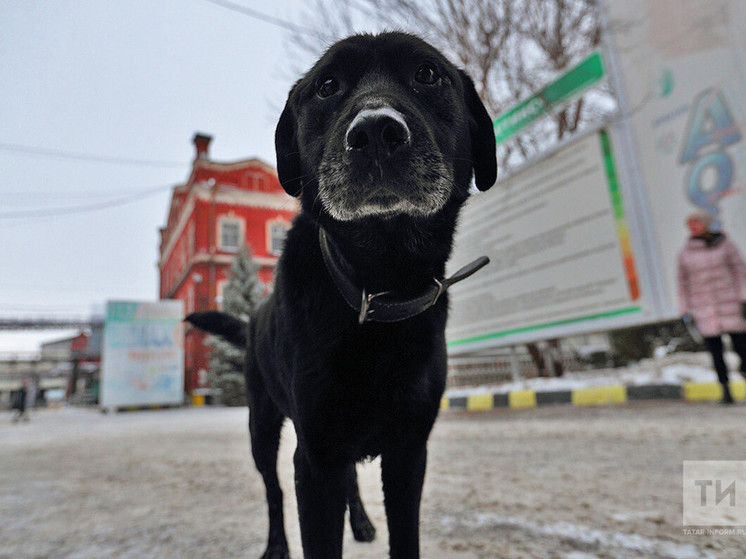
{"type": "Point", "coordinates": [714, 493]}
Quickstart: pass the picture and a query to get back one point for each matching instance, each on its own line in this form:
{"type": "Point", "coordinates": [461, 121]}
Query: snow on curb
{"type": "Point", "coordinates": [678, 376]}
{"type": "Point", "coordinates": [676, 369]}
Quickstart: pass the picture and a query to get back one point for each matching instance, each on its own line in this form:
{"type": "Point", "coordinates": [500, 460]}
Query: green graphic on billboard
{"type": "Point", "coordinates": [565, 88]}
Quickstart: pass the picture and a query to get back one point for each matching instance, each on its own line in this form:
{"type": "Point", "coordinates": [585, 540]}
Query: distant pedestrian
{"type": "Point", "coordinates": [712, 292]}
{"type": "Point", "coordinates": [19, 403]}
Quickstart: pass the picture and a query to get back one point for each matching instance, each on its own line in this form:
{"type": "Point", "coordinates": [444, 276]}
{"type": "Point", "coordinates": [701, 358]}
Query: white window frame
{"type": "Point", "coordinates": [271, 225]}
{"type": "Point", "coordinates": [231, 220]}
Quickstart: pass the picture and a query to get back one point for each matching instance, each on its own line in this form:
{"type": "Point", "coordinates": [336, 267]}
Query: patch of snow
{"type": "Point", "coordinates": [608, 541]}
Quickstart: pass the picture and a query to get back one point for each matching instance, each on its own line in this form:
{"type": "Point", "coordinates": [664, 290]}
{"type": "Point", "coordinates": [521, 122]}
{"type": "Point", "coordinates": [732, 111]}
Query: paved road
{"type": "Point", "coordinates": [559, 482]}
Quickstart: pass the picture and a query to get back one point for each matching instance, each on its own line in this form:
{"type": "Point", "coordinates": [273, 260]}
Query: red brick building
{"type": "Point", "coordinates": [221, 207]}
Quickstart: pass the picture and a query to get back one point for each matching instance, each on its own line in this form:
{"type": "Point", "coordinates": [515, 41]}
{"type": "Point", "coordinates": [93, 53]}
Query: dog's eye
{"type": "Point", "coordinates": [427, 74]}
{"type": "Point", "coordinates": [327, 87]}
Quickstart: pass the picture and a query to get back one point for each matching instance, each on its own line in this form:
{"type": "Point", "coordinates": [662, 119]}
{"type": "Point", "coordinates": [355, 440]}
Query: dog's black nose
{"type": "Point", "coordinates": [378, 133]}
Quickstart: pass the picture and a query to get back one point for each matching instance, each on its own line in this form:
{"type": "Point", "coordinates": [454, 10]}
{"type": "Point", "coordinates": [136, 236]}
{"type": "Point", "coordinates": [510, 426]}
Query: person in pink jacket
{"type": "Point", "coordinates": [712, 292]}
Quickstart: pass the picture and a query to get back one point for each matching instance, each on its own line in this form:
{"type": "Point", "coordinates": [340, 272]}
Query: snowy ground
{"type": "Point", "coordinates": [558, 482]}
{"type": "Point", "coordinates": [676, 368]}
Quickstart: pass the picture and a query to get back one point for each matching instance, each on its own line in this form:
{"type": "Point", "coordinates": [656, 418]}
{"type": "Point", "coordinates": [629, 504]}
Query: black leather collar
{"type": "Point", "coordinates": [385, 306]}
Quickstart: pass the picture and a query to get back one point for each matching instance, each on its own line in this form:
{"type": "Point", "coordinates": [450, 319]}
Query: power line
{"type": "Point", "coordinates": [263, 17]}
{"type": "Point", "coordinates": [46, 152]}
{"type": "Point", "coordinates": [54, 212]}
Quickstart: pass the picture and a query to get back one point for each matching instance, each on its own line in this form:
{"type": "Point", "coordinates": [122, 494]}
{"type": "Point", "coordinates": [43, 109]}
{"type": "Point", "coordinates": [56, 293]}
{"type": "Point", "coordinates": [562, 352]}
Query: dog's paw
{"type": "Point", "coordinates": [363, 529]}
{"type": "Point", "coordinates": [276, 552]}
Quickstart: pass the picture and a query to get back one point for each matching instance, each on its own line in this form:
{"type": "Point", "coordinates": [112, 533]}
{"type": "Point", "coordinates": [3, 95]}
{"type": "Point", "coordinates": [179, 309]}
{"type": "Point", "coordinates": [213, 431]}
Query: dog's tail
{"type": "Point", "coordinates": [228, 327]}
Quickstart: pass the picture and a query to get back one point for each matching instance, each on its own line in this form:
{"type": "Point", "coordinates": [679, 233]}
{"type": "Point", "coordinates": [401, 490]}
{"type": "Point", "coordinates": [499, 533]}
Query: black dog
{"type": "Point", "coordinates": [379, 140]}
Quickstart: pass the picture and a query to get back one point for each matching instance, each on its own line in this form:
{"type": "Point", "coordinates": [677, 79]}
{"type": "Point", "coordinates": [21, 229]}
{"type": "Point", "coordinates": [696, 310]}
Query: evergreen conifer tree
{"type": "Point", "coordinates": [242, 295]}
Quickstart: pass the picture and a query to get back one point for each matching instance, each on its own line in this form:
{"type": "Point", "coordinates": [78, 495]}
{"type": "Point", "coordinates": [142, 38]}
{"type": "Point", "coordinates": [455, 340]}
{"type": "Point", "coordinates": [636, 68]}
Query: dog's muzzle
{"type": "Point", "coordinates": [377, 165]}
{"type": "Point", "coordinates": [378, 133]}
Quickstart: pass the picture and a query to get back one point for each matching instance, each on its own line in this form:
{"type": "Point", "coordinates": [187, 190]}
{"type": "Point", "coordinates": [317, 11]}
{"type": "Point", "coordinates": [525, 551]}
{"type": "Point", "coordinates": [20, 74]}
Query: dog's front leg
{"type": "Point", "coordinates": [403, 474]}
{"type": "Point", "coordinates": [322, 499]}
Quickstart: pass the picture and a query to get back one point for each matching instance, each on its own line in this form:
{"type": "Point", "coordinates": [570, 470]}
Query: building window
{"type": "Point", "coordinates": [231, 234]}
{"type": "Point", "coordinates": [220, 295]}
{"type": "Point", "coordinates": [278, 232]}
{"type": "Point", "coordinates": [256, 181]}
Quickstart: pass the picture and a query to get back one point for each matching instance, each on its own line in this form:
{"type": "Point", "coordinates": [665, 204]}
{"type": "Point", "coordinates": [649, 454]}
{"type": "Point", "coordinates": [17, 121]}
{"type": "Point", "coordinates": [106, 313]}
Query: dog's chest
{"type": "Point", "coordinates": [352, 421]}
{"type": "Point", "coordinates": [372, 394]}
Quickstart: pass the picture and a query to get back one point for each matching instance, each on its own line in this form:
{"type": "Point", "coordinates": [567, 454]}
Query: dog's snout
{"type": "Point", "coordinates": [380, 132]}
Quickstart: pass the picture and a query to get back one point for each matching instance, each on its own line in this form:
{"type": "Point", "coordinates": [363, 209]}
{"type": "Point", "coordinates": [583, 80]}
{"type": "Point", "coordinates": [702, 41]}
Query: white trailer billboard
{"type": "Point", "coordinates": [561, 250]}
{"type": "Point", "coordinates": [143, 354]}
{"type": "Point", "coordinates": [562, 259]}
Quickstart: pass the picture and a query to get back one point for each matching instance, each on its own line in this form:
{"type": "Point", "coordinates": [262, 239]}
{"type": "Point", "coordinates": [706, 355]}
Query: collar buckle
{"type": "Point", "coordinates": [367, 299]}
{"type": "Point", "coordinates": [441, 288]}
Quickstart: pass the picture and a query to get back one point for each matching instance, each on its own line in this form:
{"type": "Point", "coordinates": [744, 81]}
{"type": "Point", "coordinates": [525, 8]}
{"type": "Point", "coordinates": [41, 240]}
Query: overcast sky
{"type": "Point", "coordinates": [132, 80]}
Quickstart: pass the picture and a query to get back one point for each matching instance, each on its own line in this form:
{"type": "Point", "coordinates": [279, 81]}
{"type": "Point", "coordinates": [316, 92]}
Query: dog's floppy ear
{"type": "Point", "coordinates": [231, 329]}
{"type": "Point", "coordinates": [286, 148]}
{"type": "Point", "coordinates": [482, 137]}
